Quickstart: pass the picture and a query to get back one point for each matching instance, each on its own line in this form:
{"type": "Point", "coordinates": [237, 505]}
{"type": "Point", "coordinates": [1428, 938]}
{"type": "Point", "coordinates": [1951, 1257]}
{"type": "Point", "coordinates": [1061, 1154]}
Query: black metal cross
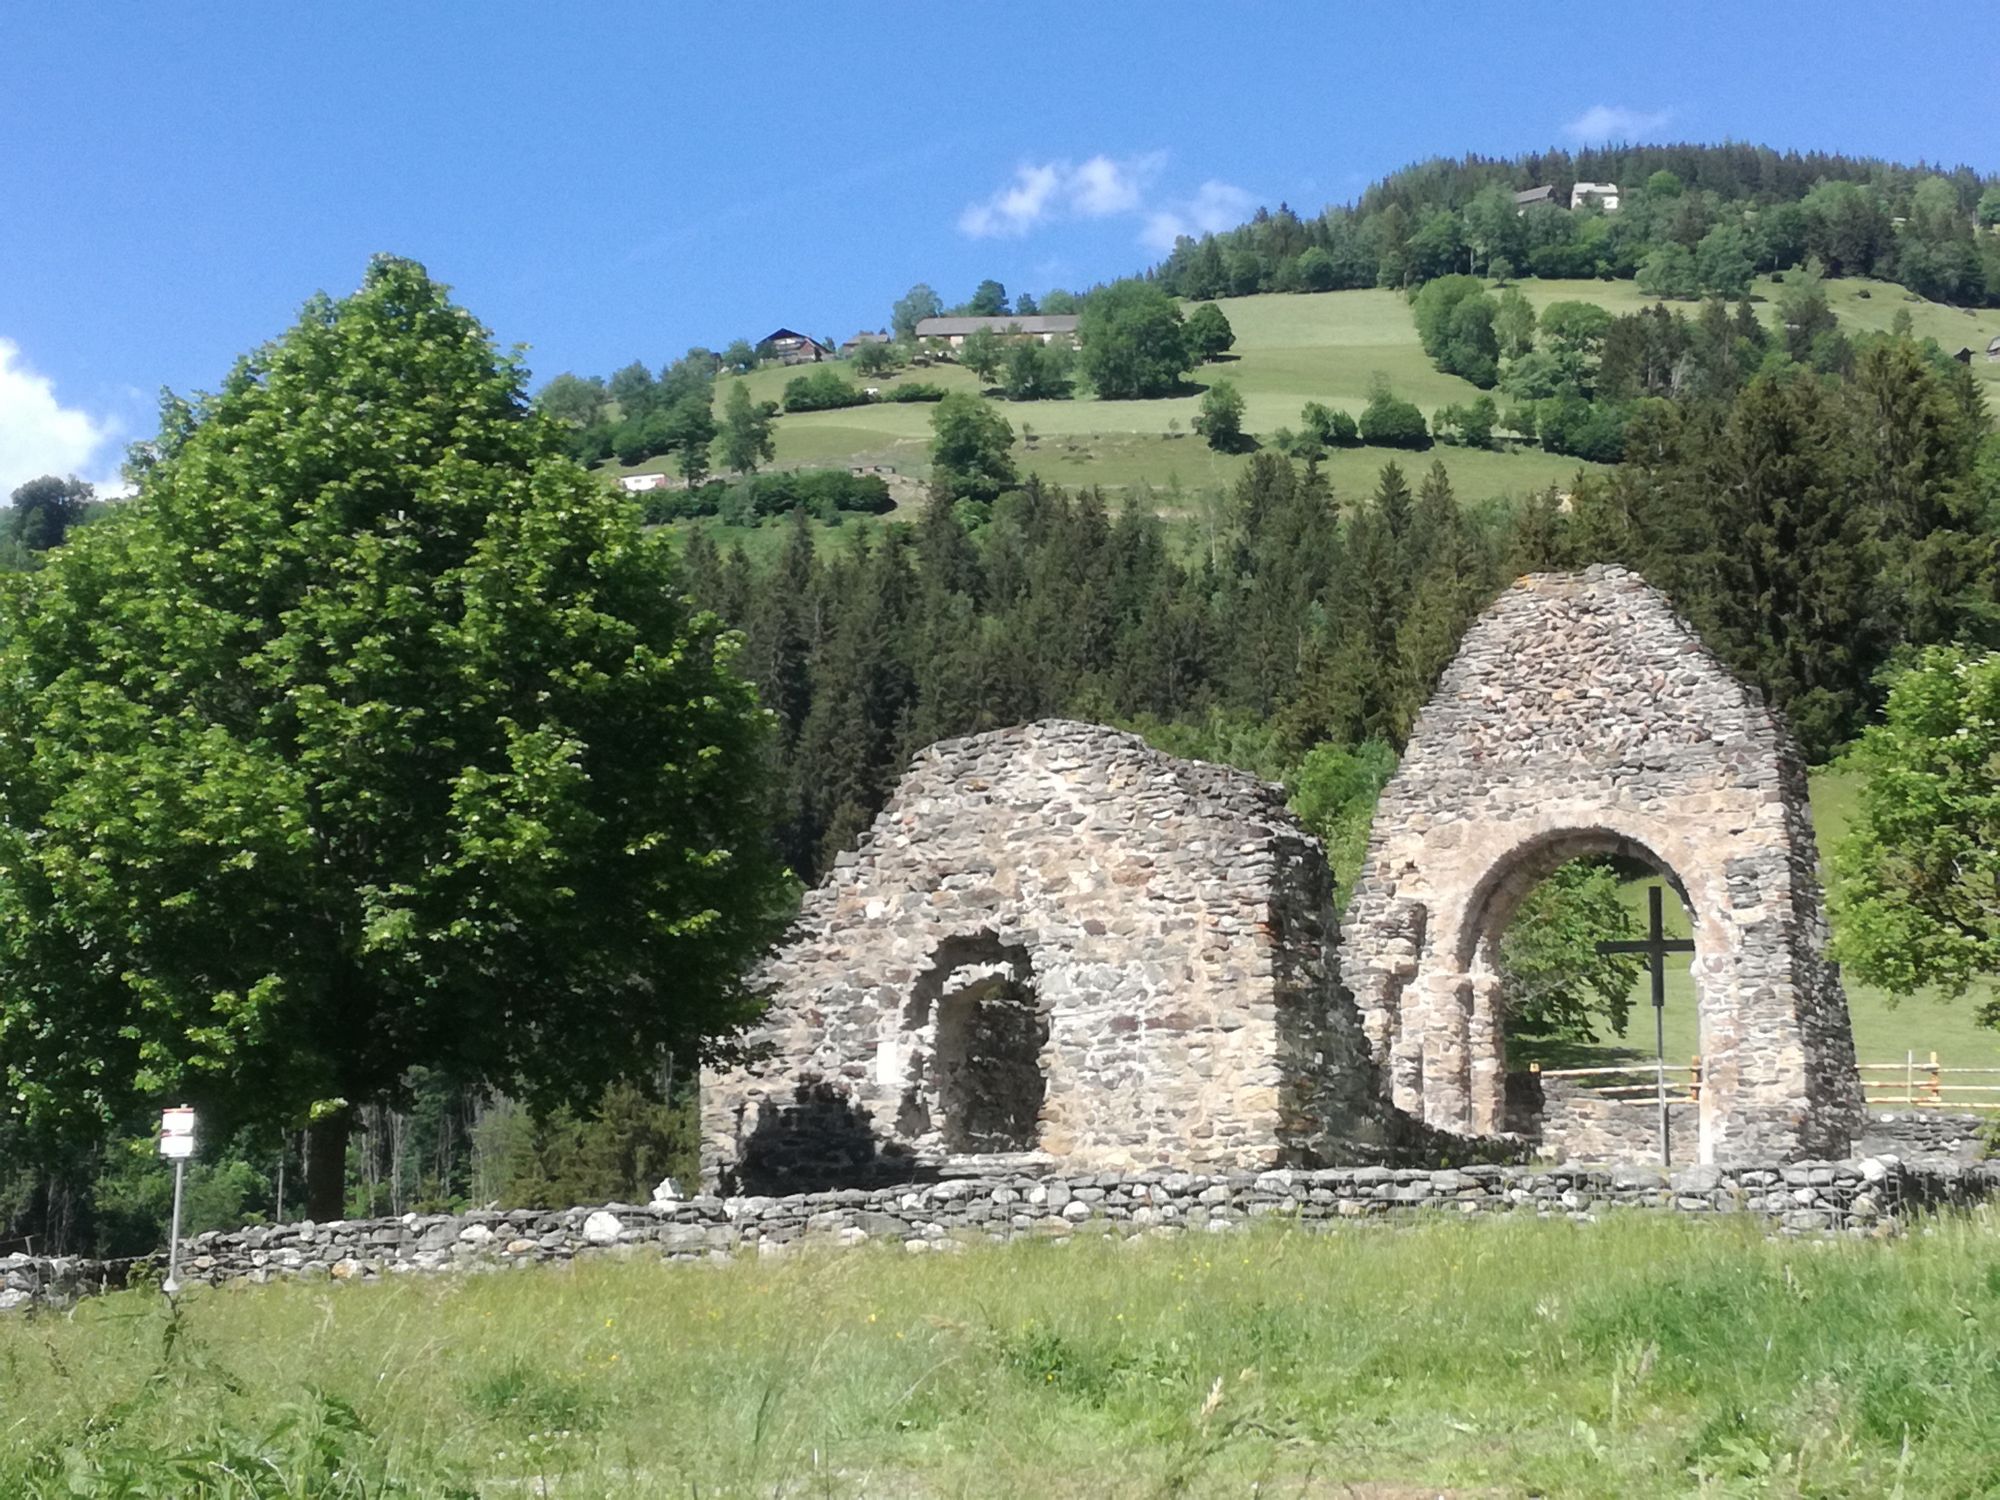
{"type": "Point", "coordinates": [1656, 945]}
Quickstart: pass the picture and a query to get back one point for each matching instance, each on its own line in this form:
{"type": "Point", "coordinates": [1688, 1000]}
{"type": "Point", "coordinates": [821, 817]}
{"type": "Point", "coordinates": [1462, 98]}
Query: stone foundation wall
{"type": "Point", "coordinates": [1871, 1193]}
{"type": "Point", "coordinates": [1577, 1127]}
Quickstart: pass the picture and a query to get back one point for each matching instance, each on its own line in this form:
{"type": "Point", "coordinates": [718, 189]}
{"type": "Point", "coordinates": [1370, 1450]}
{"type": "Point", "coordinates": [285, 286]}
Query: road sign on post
{"type": "Point", "coordinates": [177, 1145]}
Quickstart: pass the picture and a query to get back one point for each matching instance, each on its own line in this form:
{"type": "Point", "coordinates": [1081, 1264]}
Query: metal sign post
{"type": "Point", "coordinates": [176, 1144]}
{"type": "Point", "coordinates": [1656, 945]}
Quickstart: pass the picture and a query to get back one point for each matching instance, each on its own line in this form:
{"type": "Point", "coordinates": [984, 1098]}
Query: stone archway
{"type": "Point", "coordinates": [1471, 941]}
{"type": "Point", "coordinates": [1583, 716]}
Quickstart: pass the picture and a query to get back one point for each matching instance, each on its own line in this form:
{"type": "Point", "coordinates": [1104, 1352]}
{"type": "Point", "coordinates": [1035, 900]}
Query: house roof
{"type": "Point", "coordinates": [866, 337]}
{"type": "Point", "coordinates": [1536, 195]}
{"type": "Point", "coordinates": [790, 333]}
{"type": "Point", "coordinates": [944, 328]}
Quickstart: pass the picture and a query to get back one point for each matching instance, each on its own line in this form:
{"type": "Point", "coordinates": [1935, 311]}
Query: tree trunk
{"type": "Point", "coordinates": [326, 1166]}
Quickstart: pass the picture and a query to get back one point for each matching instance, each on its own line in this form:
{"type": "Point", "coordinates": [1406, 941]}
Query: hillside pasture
{"type": "Point", "coordinates": [1328, 347]}
{"type": "Point", "coordinates": [1290, 349]}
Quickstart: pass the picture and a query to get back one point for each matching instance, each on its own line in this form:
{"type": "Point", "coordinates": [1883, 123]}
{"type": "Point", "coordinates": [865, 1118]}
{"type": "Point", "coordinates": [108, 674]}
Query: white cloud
{"type": "Point", "coordinates": [1214, 207]}
{"type": "Point", "coordinates": [1615, 122]}
{"type": "Point", "coordinates": [1042, 191]}
{"type": "Point", "coordinates": [38, 434]}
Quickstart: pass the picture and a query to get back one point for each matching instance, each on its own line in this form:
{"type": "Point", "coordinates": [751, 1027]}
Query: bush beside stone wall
{"type": "Point", "coordinates": [1870, 1193]}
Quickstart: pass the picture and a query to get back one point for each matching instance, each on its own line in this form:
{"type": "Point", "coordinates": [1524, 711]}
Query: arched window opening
{"type": "Point", "coordinates": [1564, 1034]}
{"type": "Point", "coordinates": [979, 1032]}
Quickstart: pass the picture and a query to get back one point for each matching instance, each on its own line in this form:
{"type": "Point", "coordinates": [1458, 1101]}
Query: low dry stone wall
{"type": "Point", "coordinates": [1923, 1134]}
{"type": "Point", "coordinates": [1868, 1194]}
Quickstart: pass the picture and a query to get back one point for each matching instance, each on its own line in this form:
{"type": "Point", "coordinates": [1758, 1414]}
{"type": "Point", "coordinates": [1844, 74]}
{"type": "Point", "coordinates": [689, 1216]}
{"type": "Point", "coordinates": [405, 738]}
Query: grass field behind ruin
{"type": "Point", "coordinates": [1643, 1355]}
{"type": "Point", "coordinates": [1886, 1029]}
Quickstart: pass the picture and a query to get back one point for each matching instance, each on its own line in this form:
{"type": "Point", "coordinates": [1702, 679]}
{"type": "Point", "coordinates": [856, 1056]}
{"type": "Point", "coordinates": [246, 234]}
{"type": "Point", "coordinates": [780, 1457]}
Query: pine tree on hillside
{"type": "Point", "coordinates": [1798, 570]}
{"type": "Point", "coordinates": [1914, 446]}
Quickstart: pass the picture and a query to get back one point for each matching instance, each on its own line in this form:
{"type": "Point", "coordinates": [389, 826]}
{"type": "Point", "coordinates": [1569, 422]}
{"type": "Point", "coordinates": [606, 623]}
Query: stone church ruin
{"type": "Point", "coordinates": [1056, 941]}
{"type": "Point", "coordinates": [1582, 716]}
{"type": "Point", "coordinates": [1057, 946]}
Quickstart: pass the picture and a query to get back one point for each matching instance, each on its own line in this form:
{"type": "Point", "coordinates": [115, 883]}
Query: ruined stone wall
{"type": "Point", "coordinates": [1871, 1194]}
{"type": "Point", "coordinates": [1582, 716]}
{"type": "Point", "coordinates": [1055, 940]}
{"type": "Point", "coordinates": [1927, 1134]}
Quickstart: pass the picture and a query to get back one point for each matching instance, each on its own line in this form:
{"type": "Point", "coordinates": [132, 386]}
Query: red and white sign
{"type": "Point", "coordinates": [177, 1132]}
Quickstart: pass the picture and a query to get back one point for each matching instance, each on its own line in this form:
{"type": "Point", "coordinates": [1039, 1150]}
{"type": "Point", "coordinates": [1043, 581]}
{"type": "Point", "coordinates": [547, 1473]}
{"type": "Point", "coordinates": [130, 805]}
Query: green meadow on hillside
{"type": "Point", "coordinates": [1290, 349]}
{"type": "Point", "coordinates": [1644, 1355]}
{"type": "Point", "coordinates": [1886, 1029]}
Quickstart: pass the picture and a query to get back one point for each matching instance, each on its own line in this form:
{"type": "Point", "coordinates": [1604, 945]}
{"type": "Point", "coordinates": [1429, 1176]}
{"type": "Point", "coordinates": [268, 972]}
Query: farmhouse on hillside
{"type": "Point", "coordinates": [1523, 201]}
{"type": "Point", "coordinates": [1048, 327]}
{"type": "Point", "coordinates": [848, 347]}
{"type": "Point", "coordinates": [790, 347]}
{"type": "Point", "coordinates": [1603, 194]}
{"type": "Point", "coordinates": [635, 484]}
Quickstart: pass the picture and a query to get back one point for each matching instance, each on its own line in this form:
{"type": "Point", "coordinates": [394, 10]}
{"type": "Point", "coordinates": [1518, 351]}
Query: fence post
{"type": "Point", "coordinates": [1937, 1081]}
{"type": "Point", "coordinates": [1910, 1076]}
{"type": "Point", "coordinates": [1694, 1079]}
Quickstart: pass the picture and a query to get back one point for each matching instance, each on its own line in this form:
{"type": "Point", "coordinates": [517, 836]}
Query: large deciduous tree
{"type": "Point", "coordinates": [45, 509]}
{"type": "Point", "coordinates": [910, 309]}
{"type": "Point", "coordinates": [1134, 344]}
{"type": "Point", "coordinates": [746, 430]}
{"type": "Point", "coordinates": [371, 734]}
{"type": "Point", "coordinates": [1208, 333]}
{"type": "Point", "coordinates": [971, 448]}
{"type": "Point", "coordinates": [1916, 888]}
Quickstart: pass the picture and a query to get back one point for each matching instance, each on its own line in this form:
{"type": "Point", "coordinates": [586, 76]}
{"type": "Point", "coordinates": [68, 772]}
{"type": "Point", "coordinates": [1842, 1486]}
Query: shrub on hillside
{"type": "Point", "coordinates": [823, 390]}
{"type": "Point", "coordinates": [823, 492]}
{"type": "Point", "coordinates": [1593, 430]}
{"type": "Point", "coordinates": [1470, 423]}
{"type": "Point", "coordinates": [914, 390]}
{"type": "Point", "coordinates": [1332, 426]}
{"type": "Point", "coordinates": [1391, 422]}
{"type": "Point", "coordinates": [1455, 323]}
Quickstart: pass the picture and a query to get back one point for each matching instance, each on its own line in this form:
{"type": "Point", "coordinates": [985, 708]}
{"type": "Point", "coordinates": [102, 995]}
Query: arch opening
{"type": "Point", "coordinates": [1563, 1044]}
{"type": "Point", "coordinates": [978, 1034]}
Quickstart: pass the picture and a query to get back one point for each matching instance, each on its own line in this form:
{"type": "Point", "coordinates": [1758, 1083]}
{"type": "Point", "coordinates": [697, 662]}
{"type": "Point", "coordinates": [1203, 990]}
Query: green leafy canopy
{"type": "Point", "coordinates": [372, 733]}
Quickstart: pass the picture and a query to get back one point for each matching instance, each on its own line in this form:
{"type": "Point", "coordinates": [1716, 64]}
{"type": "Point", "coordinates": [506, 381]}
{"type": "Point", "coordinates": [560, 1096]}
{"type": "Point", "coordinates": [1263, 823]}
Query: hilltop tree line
{"type": "Point", "coordinates": [1691, 220]}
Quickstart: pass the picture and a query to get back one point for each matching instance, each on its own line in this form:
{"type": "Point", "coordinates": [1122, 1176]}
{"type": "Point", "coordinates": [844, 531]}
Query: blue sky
{"type": "Point", "coordinates": [612, 181]}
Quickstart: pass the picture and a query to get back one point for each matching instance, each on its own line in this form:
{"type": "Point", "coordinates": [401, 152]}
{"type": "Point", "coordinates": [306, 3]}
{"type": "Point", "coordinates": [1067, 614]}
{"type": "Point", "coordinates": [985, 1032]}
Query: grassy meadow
{"type": "Point", "coordinates": [1638, 1356]}
{"type": "Point", "coordinates": [1290, 349]}
{"type": "Point", "coordinates": [1886, 1029]}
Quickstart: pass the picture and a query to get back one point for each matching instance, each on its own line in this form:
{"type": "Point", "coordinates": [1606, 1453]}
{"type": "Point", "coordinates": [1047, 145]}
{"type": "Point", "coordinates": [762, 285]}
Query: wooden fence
{"type": "Point", "coordinates": [1926, 1083]}
{"type": "Point", "coordinates": [1635, 1084]}
{"type": "Point", "coordinates": [1913, 1083]}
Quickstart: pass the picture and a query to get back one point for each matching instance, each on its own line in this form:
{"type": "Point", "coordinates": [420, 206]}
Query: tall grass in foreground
{"type": "Point", "coordinates": [1642, 1355]}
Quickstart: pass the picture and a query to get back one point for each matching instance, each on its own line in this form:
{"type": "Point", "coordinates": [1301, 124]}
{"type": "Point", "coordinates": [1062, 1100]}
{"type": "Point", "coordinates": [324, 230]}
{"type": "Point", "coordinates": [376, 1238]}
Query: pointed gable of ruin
{"type": "Point", "coordinates": [1057, 942]}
